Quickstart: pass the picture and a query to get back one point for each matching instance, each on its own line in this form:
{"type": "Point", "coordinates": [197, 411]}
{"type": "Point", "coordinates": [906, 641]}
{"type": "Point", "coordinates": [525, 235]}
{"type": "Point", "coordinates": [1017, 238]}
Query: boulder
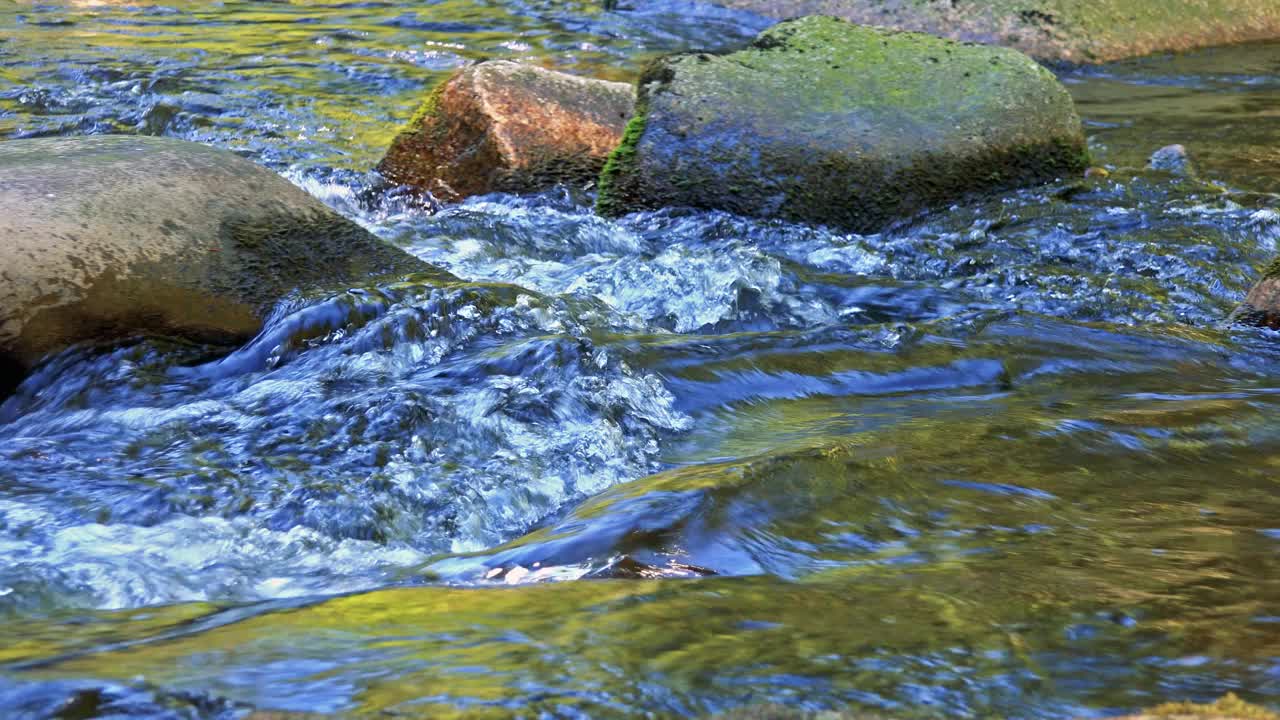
{"type": "Point", "coordinates": [1261, 306]}
{"type": "Point", "coordinates": [824, 121]}
{"type": "Point", "coordinates": [1076, 31]}
{"type": "Point", "coordinates": [507, 126]}
{"type": "Point", "coordinates": [103, 238]}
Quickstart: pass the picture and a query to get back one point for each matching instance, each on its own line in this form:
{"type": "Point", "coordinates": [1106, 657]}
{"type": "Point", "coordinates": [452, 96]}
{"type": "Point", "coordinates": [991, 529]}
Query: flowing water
{"type": "Point", "coordinates": [1001, 460]}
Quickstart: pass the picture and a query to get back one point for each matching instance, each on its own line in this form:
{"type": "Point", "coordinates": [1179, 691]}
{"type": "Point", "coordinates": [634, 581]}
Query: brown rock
{"type": "Point", "coordinates": [1261, 307]}
{"type": "Point", "coordinates": [507, 126]}
{"type": "Point", "coordinates": [103, 238]}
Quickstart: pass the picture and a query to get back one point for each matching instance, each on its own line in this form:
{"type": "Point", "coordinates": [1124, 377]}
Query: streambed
{"type": "Point", "coordinates": [999, 460]}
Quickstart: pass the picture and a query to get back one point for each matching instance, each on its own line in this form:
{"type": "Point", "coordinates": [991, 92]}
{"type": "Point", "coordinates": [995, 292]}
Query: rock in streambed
{"type": "Point", "coordinates": [507, 126]}
{"type": "Point", "coordinates": [1261, 306]}
{"type": "Point", "coordinates": [827, 122]}
{"type": "Point", "coordinates": [1075, 31]}
{"type": "Point", "coordinates": [103, 238]}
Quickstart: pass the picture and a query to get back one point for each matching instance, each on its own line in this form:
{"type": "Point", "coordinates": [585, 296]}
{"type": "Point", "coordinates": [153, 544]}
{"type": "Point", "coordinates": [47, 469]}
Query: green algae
{"type": "Point", "coordinates": [619, 164]}
{"type": "Point", "coordinates": [616, 186]}
{"type": "Point", "coordinates": [429, 108]}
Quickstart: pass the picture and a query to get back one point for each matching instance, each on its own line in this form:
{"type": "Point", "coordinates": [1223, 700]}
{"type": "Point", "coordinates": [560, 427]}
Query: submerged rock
{"type": "Point", "coordinates": [1171, 159]}
{"type": "Point", "coordinates": [507, 126]}
{"type": "Point", "coordinates": [1080, 31]}
{"type": "Point", "coordinates": [110, 237]}
{"type": "Point", "coordinates": [828, 122]}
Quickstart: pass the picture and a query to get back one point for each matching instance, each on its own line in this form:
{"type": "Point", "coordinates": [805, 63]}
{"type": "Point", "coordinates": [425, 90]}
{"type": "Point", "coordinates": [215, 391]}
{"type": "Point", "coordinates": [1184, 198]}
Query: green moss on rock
{"type": "Point", "coordinates": [1056, 30]}
{"type": "Point", "coordinates": [429, 108]}
{"type": "Point", "coordinates": [824, 121]}
{"type": "Point", "coordinates": [619, 164]}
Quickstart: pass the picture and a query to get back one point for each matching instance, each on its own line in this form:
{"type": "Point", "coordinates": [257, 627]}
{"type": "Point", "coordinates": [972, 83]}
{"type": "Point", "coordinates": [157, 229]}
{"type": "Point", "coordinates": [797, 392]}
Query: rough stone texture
{"type": "Point", "coordinates": [828, 122]}
{"type": "Point", "coordinates": [506, 126]}
{"type": "Point", "coordinates": [108, 237]}
{"type": "Point", "coordinates": [1261, 307]}
{"type": "Point", "coordinates": [1077, 31]}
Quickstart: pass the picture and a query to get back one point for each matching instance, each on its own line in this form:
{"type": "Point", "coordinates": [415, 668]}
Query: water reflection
{"type": "Point", "coordinates": [999, 460]}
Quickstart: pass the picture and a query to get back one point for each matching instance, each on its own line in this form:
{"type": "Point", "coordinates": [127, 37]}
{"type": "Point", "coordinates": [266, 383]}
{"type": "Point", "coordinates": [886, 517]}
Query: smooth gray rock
{"type": "Point", "coordinates": [103, 238]}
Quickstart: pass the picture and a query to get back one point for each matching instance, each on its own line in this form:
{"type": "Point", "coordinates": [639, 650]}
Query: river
{"type": "Point", "coordinates": [1001, 459]}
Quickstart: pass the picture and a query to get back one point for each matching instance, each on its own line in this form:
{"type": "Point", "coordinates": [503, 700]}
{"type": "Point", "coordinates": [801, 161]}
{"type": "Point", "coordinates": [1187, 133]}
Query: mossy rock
{"type": "Point", "coordinates": [1076, 31]}
{"type": "Point", "coordinates": [828, 122]}
{"type": "Point", "coordinates": [110, 237]}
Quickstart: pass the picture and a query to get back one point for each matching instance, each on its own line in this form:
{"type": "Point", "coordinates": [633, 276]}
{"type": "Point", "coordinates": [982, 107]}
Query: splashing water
{"type": "Point", "coordinates": [998, 460]}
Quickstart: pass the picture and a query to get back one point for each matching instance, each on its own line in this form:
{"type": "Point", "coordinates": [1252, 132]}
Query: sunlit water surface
{"type": "Point", "coordinates": [1000, 460]}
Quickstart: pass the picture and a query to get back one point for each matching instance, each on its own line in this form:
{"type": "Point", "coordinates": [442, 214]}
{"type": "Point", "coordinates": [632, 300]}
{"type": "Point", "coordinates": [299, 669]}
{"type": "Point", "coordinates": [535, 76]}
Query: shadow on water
{"type": "Point", "coordinates": [1000, 460]}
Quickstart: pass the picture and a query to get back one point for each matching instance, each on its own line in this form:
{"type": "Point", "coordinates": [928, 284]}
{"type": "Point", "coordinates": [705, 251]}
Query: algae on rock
{"type": "Point", "coordinates": [828, 122]}
{"type": "Point", "coordinates": [1076, 31]}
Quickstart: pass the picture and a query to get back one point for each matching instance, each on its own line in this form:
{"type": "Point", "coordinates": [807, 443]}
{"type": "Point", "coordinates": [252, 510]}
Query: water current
{"type": "Point", "coordinates": [1002, 459]}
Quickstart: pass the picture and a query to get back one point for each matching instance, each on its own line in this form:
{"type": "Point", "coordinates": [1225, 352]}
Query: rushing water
{"type": "Point", "coordinates": [1000, 460]}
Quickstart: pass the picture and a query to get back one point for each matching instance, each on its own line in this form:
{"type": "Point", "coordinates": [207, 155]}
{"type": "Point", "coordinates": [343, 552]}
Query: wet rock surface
{"type": "Point", "coordinates": [1172, 159]}
{"type": "Point", "coordinates": [508, 126]}
{"type": "Point", "coordinates": [110, 237]}
{"type": "Point", "coordinates": [1056, 498]}
{"type": "Point", "coordinates": [1076, 31]}
{"type": "Point", "coordinates": [827, 122]}
{"type": "Point", "coordinates": [1261, 306]}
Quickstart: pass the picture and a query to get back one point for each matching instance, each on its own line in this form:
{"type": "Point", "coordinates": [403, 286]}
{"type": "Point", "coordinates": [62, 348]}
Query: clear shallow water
{"type": "Point", "coordinates": [999, 460]}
